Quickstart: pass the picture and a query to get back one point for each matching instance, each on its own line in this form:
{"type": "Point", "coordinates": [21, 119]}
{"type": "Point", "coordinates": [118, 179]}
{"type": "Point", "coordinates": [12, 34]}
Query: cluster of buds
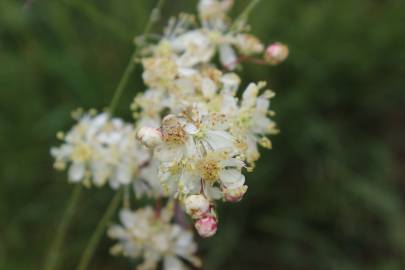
{"type": "Point", "coordinates": [205, 219]}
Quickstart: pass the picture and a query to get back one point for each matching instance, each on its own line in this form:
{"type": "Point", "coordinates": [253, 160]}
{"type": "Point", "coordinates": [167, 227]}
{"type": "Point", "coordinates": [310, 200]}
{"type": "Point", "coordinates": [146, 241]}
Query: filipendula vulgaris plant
{"type": "Point", "coordinates": [191, 143]}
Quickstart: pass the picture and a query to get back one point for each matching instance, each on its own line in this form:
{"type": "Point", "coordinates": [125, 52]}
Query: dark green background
{"type": "Point", "coordinates": [330, 195]}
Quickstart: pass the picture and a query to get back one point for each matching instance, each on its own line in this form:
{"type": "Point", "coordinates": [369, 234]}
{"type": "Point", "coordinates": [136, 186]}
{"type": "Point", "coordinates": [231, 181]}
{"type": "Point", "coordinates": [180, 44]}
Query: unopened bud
{"type": "Point", "coordinates": [234, 194]}
{"type": "Point", "coordinates": [206, 226]}
{"type": "Point", "coordinates": [196, 205]}
{"type": "Point", "coordinates": [150, 137]}
{"type": "Point", "coordinates": [249, 44]}
{"type": "Point", "coordinates": [276, 53]}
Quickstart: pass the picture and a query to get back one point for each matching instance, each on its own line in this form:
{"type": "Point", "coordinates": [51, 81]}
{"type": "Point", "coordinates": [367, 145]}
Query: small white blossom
{"type": "Point", "coordinates": [100, 149]}
{"type": "Point", "coordinates": [251, 122]}
{"type": "Point", "coordinates": [146, 234]}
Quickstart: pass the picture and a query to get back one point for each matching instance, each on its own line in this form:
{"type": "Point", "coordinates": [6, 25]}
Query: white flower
{"type": "Point", "coordinates": [177, 143]}
{"type": "Point", "coordinates": [151, 236]}
{"type": "Point", "coordinates": [210, 132]}
{"type": "Point", "coordinates": [251, 122]}
{"type": "Point", "coordinates": [193, 47]}
{"type": "Point", "coordinates": [207, 174]}
{"type": "Point", "coordinates": [220, 167]}
{"type": "Point", "coordinates": [100, 149]}
{"type": "Point", "coordinates": [148, 106]}
{"type": "Point", "coordinates": [214, 10]}
{"type": "Point", "coordinates": [179, 178]}
{"type": "Point", "coordinates": [159, 72]}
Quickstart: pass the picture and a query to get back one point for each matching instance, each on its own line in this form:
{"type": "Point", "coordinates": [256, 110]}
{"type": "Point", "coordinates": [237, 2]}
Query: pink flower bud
{"type": "Point", "coordinates": [276, 53]}
{"type": "Point", "coordinates": [206, 226]}
{"type": "Point", "coordinates": [196, 206]}
{"type": "Point", "coordinates": [234, 194]}
{"type": "Point", "coordinates": [150, 137]}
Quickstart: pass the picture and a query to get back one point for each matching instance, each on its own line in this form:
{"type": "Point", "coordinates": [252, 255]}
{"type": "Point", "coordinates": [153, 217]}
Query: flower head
{"type": "Point", "coordinates": [144, 234]}
{"type": "Point", "coordinates": [100, 150]}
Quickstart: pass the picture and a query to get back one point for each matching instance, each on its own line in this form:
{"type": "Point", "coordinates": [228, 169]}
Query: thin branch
{"type": "Point", "coordinates": [243, 17]}
{"type": "Point", "coordinates": [154, 17]}
{"type": "Point", "coordinates": [53, 254]}
{"type": "Point", "coordinates": [96, 237]}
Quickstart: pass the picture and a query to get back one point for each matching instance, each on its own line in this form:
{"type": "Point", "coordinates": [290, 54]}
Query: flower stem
{"type": "Point", "coordinates": [154, 17]}
{"type": "Point", "coordinates": [242, 18]}
{"type": "Point", "coordinates": [53, 254]}
{"type": "Point", "coordinates": [96, 237]}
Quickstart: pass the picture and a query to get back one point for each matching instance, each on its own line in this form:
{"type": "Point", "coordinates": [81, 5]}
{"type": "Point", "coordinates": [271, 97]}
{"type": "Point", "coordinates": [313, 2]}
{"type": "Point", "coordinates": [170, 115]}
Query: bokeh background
{"type": "Point", "coordinates": [330, 195]}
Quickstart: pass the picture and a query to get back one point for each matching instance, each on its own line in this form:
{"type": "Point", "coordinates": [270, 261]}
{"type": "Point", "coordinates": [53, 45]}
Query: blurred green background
{"type": "Point", "coordinates": [330, 195]}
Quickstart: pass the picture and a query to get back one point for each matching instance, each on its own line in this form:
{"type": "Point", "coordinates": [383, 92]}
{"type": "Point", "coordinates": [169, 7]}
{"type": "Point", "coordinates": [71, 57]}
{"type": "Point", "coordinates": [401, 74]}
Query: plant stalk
{"type": "Point", "coordinates": [154, 17]}
{"type": "Point", "coordinates": [242, 18]}
{"type": "Point", "coordinates": [96, 237]}
{"type": "Point", "coordinates": [53, 254]}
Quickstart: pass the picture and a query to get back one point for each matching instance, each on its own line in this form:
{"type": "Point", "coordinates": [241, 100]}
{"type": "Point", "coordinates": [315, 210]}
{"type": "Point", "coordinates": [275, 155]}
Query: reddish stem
{"type": "Point", "coordinates": [244, 58]}
{"type": "Point", "coordinates": [179, 215]}
{"type": "Point", "coordinates": [158, 207]}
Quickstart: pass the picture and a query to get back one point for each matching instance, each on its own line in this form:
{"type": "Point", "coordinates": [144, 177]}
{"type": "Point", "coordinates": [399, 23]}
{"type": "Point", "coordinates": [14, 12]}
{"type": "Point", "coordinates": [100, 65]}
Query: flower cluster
{"type": "Point", "coordinates": [100, 149]}
{"type": "Point", "coordinates": [197, 132]}
{"type": "Point", "coordinates": [201, 133]}
{"type": "Point", "coordinates": [150, 235]}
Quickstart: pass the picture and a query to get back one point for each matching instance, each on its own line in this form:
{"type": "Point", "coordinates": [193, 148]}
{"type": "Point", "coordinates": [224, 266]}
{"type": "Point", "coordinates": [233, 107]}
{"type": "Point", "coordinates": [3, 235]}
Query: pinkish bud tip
{"type": "Point", "coordinates": [206, 226]}
{"type": "Point", "coordinates": [276, 53]}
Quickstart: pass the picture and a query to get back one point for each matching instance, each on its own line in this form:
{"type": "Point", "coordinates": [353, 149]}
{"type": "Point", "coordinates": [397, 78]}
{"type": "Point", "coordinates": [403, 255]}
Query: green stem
{"type": "Point", "coordinates": [99, 18]}
{"type": "Point", "coordinates": [242, 18]}
{"type": "Point", "coordinates": [53, 254]}
{"type": "Point", "coordinates": [154, 17]}
{"type": "Point", "coordinates": [96, 237]}
{"type": "Point", "coordinates": [122, 84]}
